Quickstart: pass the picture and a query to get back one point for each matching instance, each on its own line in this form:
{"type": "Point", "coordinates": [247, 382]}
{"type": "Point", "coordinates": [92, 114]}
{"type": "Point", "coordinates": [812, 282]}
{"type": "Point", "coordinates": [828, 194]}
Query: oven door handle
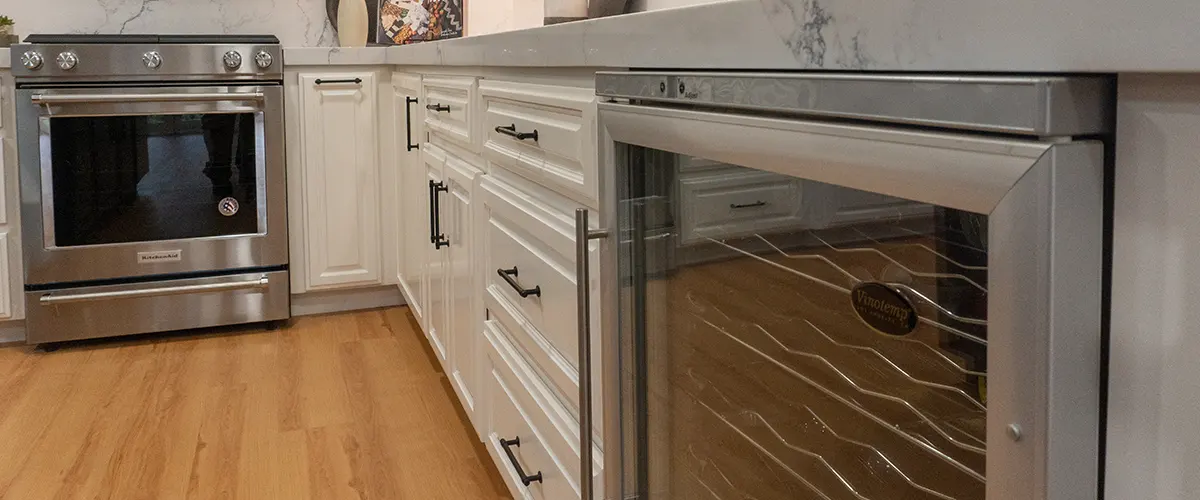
{"type": "Point", "coordinates": [120, 98]}
{"type": "Point", "coordinates": [53, 299]}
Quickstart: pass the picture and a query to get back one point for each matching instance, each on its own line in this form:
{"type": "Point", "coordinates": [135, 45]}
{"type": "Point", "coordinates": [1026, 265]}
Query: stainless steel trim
{"type": "Point", "coordinates": [584, 302]}
{"type": "Point", "coordinates": [1027, 105]}
{"type": "Point", "coordinates": [53, 299]}
{"type": "Point", "coordinates": [952, 170]}
{"type": "Point", "coordinates": [119, 98]}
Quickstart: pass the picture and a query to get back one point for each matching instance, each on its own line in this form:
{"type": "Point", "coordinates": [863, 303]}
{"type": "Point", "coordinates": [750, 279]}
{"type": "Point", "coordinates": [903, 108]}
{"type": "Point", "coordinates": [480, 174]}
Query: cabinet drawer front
{"type": "Point", "coordinates": [562, 156]}
{"type": "Point", "coordinates": [519, 408]}
{"type": "Point", "coordinates": [448, 108]}
{"type": "Point", "coordinates": [552, 308]}
{"type": "Point", "coordinates": [712, 207]}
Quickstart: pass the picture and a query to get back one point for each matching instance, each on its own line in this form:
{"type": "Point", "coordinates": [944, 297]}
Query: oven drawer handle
{"type": "Point", "coordinates": [117, 98]}
{"type": "Point", "coordinates": [509, 274]}
{"type": "Point", "coordinates": [511, 131]}
{"type": "Point", "coordinates": [52, 299]}
{"type": "Point", "coordinates": [507, 445]}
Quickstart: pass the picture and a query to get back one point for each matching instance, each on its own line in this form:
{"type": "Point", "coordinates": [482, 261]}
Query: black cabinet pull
{"type": "Point", "coordinates": [511, 131]}
{"type": "Point", "coordinates": [438, 238]}
{"type": "Point", "coordinates": [748, 205]}
{"type": "Point", "coordinates": [509, 274]}
{"type": "Point", "coordinates": [432, 214]}
{"type": "Point", "coordinates": [355, 81]}
{"type": "Point", "coordinates": [438, 108]}
{"type": "Point", "coordinates": [506, 444]}
{"type": "Point", "coordinates": [408, 102]}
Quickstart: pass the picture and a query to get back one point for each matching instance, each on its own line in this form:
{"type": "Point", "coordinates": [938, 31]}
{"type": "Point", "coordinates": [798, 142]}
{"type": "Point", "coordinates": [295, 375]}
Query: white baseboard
{"type": "Point", "coordinates": [346, 300]}
{"type": "Point", "coordinates": [12, 332]}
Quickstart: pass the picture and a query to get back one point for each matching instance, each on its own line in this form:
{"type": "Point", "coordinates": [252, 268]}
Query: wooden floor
{"type": "Point", "coordinates": [341, 406]}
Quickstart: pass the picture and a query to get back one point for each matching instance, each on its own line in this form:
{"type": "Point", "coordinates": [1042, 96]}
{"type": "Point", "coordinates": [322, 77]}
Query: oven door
{"type": "Point", "coordinates": [805, 309]}
{"type": "Point", "coordinates": [140, 181]}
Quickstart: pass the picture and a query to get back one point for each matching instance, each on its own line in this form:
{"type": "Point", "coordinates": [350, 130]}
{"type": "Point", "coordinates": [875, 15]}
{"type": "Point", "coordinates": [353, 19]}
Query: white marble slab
{"type": "Point", "coordinates": [901, 35]}
{"type": "Point", "coordinates": [334, 56]}
{"type": "Point", "coordinates": [295, 22]}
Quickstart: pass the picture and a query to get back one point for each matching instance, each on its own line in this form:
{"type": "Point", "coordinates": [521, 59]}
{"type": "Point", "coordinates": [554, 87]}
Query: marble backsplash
{"type": "Point", "coordinates": [297, 23]}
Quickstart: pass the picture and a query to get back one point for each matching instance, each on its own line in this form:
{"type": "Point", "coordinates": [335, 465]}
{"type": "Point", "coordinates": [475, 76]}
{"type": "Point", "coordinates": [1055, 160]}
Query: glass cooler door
{"type": "Point", "coordinates": [788, 339]}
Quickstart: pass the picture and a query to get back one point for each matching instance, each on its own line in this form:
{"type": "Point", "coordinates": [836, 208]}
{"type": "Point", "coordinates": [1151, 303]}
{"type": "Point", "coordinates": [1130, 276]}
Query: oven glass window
{"type": "Point", "coordinates": [784, 338]}
{"type": "Point", "coordinates": [122, 179]}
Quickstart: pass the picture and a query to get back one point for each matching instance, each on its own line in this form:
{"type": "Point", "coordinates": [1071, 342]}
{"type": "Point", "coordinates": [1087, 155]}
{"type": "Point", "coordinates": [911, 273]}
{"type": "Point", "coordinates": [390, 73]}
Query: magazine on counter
{"type": "Point", "coordinates": [412, 21]}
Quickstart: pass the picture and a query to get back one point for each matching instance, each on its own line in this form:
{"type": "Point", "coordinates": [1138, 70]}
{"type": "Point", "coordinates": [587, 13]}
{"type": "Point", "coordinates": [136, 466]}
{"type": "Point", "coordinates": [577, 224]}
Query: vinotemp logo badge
{"type": "Point", "coordinates": [883, 308]}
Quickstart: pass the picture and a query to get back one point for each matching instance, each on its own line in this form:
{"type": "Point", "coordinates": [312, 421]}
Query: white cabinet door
{"type": "Point", "coordinates": [463, 280]}
{"type": "Point", "coordinates": [411, 221]}
{"type": "Point", "coordinates": [435, 280]}
{"type": "Point", "coordinates": [341, 180]}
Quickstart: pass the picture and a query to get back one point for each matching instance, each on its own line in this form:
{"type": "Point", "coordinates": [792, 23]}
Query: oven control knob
{"type": "Point", "coordinates": [152, 59]}
{"type": "Point", "coordinates": [233, 60]}
{"type": "Point", "coordinates": [67, 61]}
{"type": "Point", "coordinates": [263, 59]}
{"type": "Point", "coordinates": [31, 60]}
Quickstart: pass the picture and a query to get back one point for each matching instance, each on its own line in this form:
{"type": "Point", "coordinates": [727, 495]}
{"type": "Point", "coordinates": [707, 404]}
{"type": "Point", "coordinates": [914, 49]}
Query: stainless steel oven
{"type": "Point", "coordinates": [829, 286]}
{"type": "Point", "coordinates": [156, 168]}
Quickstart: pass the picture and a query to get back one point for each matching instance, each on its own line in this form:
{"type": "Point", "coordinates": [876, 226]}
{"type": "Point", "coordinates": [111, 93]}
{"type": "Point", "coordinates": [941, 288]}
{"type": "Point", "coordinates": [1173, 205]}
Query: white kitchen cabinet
{"type": "Point", "coordinates": [463, 278]}
{"type": "Point", "coordinates": [434, 275]}
{"type": "Point", "coordinates": [339, 171]}
{"type": "Point", "coordinates": [11, 271]}
{"type": "Point", "coordinates": [410, 220]}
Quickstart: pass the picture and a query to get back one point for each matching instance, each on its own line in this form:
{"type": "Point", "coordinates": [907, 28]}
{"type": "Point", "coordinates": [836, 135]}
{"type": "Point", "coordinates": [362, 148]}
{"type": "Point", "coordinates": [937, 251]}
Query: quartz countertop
{"type": "Point", "coordinates": [334, 56]}
{"type": "Point", "coordinates": [903, 35]}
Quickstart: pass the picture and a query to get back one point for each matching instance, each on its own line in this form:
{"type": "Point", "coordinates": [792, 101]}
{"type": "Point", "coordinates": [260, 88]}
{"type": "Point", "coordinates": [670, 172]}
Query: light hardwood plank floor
{"type": "Point", "coordinates": [345, 406]}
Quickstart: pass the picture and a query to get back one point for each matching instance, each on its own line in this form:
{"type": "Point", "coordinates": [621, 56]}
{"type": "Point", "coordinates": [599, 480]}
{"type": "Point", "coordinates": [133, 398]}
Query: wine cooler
{"type": "Point", "coordinates": [826, 286]}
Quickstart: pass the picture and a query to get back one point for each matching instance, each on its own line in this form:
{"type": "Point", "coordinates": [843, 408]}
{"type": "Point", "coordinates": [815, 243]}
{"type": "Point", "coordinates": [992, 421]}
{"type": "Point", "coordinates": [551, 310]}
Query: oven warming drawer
{"type": "Point", "coordinates": [156, 306]}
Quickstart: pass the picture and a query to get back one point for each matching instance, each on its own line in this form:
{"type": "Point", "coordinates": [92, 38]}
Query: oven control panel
{"type": "Point", "coordinates": [132, 62]}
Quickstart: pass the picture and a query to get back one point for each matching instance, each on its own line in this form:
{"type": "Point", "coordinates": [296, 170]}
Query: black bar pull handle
{"type": "Point", "coordinates": [509, 274]}
{"type": "Point", "coordinates": [408, 102]}
{"type": "Point", "coordinates": [438, 108]}
{"type": "Point", "coordinates": [507, 444]}
{"type": "Point", "coordinates": [432, 213]}
{"type": "Point", "coordinates": [439, 238]}
{"type": "Point", "coordinates": [759, 203]}
{"type": "Point", "coordinates": [355, 81]}
{"type": "Point", "coordinates": [511, 131]}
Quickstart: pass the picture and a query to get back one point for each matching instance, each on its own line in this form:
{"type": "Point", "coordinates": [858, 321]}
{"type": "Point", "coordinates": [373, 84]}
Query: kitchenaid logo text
{"type": "Point", "coordinates": [883, 308]}
{"type": "Point", "coordinates": [162, 256]}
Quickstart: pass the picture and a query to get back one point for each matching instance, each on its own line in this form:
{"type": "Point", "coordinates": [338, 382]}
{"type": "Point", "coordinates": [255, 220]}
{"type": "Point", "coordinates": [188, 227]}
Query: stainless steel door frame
{"type": "Point", "coordinates": [47, 263]}
{"type": "Point", "coordinates": [1044, 200]}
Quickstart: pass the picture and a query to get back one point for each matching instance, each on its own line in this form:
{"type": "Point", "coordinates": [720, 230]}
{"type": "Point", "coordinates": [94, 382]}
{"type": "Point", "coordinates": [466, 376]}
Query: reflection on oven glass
{"type": "Point", "coordinates": [754, 372]}
{"type": "Point", "coordinates": [128, 179]}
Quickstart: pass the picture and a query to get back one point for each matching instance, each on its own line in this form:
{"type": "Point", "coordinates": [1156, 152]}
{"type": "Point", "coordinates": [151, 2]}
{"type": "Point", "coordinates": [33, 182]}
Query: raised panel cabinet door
{"type": "Point", "coordinates": [341, 180]}
{"type": "Point", "coordinates": [464, 287]}
{"type": "Point", "coordinates": [411, 223]}
{"type": "Point", "coordinates": [435, 254]}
